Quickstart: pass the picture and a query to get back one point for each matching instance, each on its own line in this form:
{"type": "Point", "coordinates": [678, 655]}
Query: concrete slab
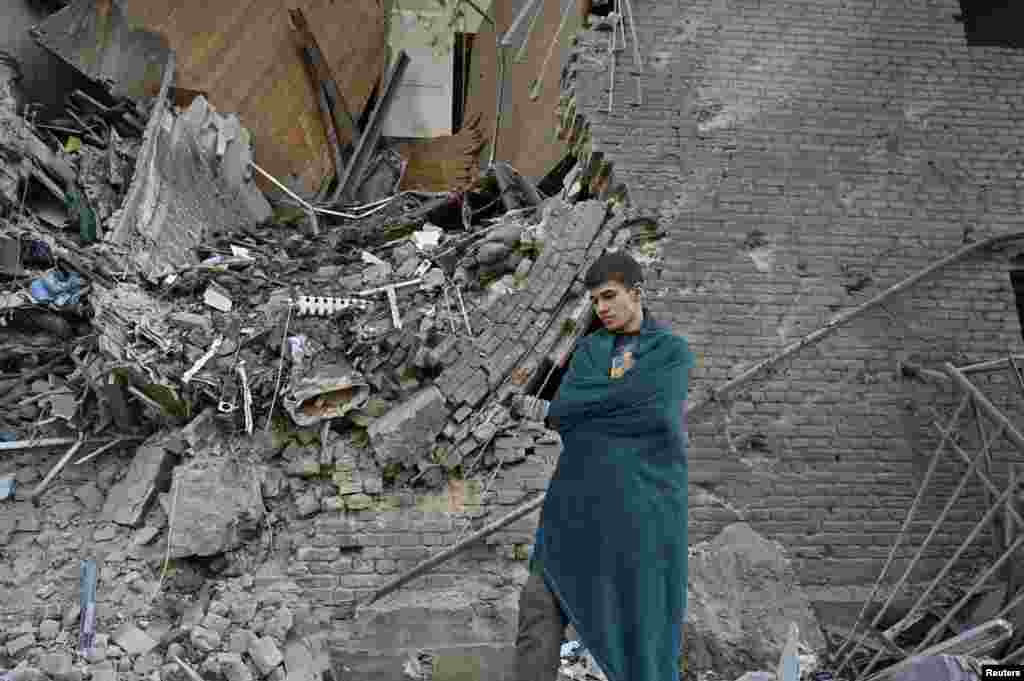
{"type": "Point", "coordinates": [148, 474]}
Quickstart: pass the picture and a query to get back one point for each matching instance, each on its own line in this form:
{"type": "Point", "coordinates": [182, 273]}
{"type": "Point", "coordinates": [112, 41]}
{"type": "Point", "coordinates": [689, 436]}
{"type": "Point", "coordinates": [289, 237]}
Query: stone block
{"type": "Point", "coordinates": [148, 474]}
{"type": "Point", "coordinates": [406, 433]}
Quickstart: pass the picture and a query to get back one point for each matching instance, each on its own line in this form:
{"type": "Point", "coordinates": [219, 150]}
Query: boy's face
{"type": "Point", "coordinates": [619, 308]}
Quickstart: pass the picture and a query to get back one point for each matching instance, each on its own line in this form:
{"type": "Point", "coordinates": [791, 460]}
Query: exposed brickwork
{"type": "Point", "coordinates": [805, 156]}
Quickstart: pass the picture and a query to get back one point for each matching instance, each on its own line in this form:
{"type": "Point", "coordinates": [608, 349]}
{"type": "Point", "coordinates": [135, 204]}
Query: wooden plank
{"type": "Point", "coordinates": [527, 140]}
{"type": "Point", "coordinates": [242, 53]}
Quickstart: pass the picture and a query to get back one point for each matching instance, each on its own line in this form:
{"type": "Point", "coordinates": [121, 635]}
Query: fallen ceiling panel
{"type": "Point", "coordinates": [243, 56]}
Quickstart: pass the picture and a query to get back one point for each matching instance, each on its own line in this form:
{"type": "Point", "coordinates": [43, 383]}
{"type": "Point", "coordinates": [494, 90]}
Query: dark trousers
{"type": "Point", "coordinates": [541, 629]}
{"type": "Point", "coordinates": [539, 637]}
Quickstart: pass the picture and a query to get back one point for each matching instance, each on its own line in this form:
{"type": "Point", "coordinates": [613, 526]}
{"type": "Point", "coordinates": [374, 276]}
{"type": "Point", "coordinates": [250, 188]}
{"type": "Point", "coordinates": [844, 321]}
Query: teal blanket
{"type": "Point", "coordinates": [612, 540]}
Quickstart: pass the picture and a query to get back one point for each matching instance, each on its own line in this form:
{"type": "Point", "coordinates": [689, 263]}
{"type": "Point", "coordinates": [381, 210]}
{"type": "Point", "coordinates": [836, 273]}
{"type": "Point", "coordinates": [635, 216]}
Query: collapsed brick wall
{"type": "Point", "coordinates": [804, 156]}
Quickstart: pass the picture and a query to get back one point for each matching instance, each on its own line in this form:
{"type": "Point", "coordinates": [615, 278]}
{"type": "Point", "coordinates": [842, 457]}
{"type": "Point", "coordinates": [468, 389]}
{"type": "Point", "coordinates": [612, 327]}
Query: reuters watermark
{"type": "Point", "coordinates": [1002, 671]}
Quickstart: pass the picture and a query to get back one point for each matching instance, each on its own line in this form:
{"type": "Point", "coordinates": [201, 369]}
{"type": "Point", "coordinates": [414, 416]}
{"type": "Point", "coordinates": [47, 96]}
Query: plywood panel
{"type": "Point", "coordinates": [527, 138]}
{"type": "Point", "coordinates": [242, 53]}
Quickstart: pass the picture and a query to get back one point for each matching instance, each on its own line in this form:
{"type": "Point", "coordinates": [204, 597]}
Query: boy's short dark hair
{"type": "Point", "coordinates": [617, 266]}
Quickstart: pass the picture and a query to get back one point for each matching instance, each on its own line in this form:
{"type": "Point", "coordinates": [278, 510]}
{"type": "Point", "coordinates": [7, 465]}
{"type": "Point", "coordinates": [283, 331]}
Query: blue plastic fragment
{"type": "Point", "coordinates": [7, 486]}
{"type": "Point", "coordinates": [87, 595]}
{"type": "Point", "coordinates": [572, 649]}
{"type": "Point", "coordinates": [57, 288]}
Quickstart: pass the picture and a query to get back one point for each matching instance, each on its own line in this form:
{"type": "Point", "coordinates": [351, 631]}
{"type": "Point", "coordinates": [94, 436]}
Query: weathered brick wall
{"type": "Point", "coordinates": [805, 156]}
{"type": "Point", "coordinates": [343, 556]}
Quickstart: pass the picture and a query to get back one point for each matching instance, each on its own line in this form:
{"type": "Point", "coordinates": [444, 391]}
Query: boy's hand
{"type": "Point", "coordinates": [529, 407]}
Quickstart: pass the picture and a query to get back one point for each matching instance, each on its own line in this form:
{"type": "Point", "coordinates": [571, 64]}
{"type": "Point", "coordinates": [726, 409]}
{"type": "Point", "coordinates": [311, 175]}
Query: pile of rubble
{"type": "Point", "coordinates": [239, 633]}
{"type": "Point", "coordinates": [215, 365]}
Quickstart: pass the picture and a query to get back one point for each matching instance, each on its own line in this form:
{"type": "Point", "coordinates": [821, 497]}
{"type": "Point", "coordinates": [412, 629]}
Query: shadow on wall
{"type": "Point", "coordinates": [47, 79]}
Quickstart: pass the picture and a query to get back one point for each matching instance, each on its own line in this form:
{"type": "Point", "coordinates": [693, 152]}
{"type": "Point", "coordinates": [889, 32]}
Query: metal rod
{"type": "Point", "coordinates": [462, 306]}
{"type": "Point", "coordinates": [41, 487]}
{"type": "Point", "coordinates": [1015, 370]}
{"type": "Point", "coordinates": [718, 394]}
{"type": "Point", "coordinates": [482, 13]}
{"type": "Point", "coordinates": [984, 478]}
{"type": "Point", "coordinates": [1010, 529]}
{"type": "Point", "coordinates": [936, 457]}
{"type": "Point", "coordinates": [990, 409]}
{"type": "Point", "coordinates": [1017, 600]}
{"type": "Point", "coordinates": [613, 57]}
{"type": "Point", "coordinates": [979, 526]}
{"type": "Point", "coordinates": [964, 479]}
{"type": "Point", "coordinates": [104, 448]}
{"type": "Point", "coordinates": [972, 468]}
{"type": "Point", "coordinates": [997, 544]}
{"type": "Point", "coordinates": [500, 106]}
{"type": "Point", "coordinates": [310, 210]}
{"type": "Point", "coordinates": [535, 87]}
{"type": "Point", "coordinates": [450, 553]}
{"type": "Point", "coordinates": [991, 365]}
{"type": "Point", "coordinates": [637, 58]}
{"type": "Point", "coordinates": [280, 368]}
{"type": "Point", "coordinates": [521, 52]}
{"type": "Point", "coordinates": [506, 40]}
{"type": "Point", "coordinates": [1013, 657]}
{"type": "Point", "coordinates": [976, 641]}
{"type": "Point", "coordinates": [43, 443]}
{"type": "Point", "coordinates": [941, 625]}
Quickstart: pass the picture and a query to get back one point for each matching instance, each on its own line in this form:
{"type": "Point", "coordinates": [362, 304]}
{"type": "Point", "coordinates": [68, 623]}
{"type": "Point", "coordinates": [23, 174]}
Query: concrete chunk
{"type": "Point", "coordinates": [219, 508]}
{"type": "Point", "coordinates": [744, 595]}
{"type": "Point", "coordinates": [233, 668]}
{"type": "Point", "coordinates": [404, 434]}
{"type": "Point", "coordinates": [265, 654]}
{"type": "Point", "coordinates": [57, 665]}
{"type": "Point", "coordinates": [132, 640]}
{"type": "Point", "coordinates": [148, 474]}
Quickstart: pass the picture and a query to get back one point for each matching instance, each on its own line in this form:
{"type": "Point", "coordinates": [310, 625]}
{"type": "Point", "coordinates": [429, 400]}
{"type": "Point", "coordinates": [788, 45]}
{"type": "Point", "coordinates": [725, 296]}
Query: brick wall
{"type": "Point", "coordinates": [805, 156]}
{"type": "Point", "coordinates": [343, 556]}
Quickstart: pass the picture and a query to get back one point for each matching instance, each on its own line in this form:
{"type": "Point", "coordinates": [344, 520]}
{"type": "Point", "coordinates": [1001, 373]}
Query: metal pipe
{"type": "Point", "coordinates": [718, 394]}
{"type": "Point", "coordinates": [941, 625]}
{"type": "Point", "coordinates": [637, 58]}
{"type": "Point", "coordinates": [936, 456]}
{"type": "Point", "coordinates": [521, 52]}
{"type": "Point", "coordinates": [979, 526]}
{"type": "Point", "coordinates": [990, 409]}
{"type": "Point", "coordinates": [964, 479]}
{"type": "Point", "coordinates": [991, 365]}
{"type": "Point", "coordinates": [976, 641]}
{"type": "Point", "coordinates": [506, 40]}
{"type": "Point", "coordinates": [984, 478]}
{"type": "Point", "coordinates": [500, 107]}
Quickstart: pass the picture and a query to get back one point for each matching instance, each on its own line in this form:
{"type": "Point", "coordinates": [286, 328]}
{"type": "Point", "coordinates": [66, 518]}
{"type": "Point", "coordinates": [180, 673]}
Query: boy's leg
{"type": "Point", "coordinates": [539, 638]}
